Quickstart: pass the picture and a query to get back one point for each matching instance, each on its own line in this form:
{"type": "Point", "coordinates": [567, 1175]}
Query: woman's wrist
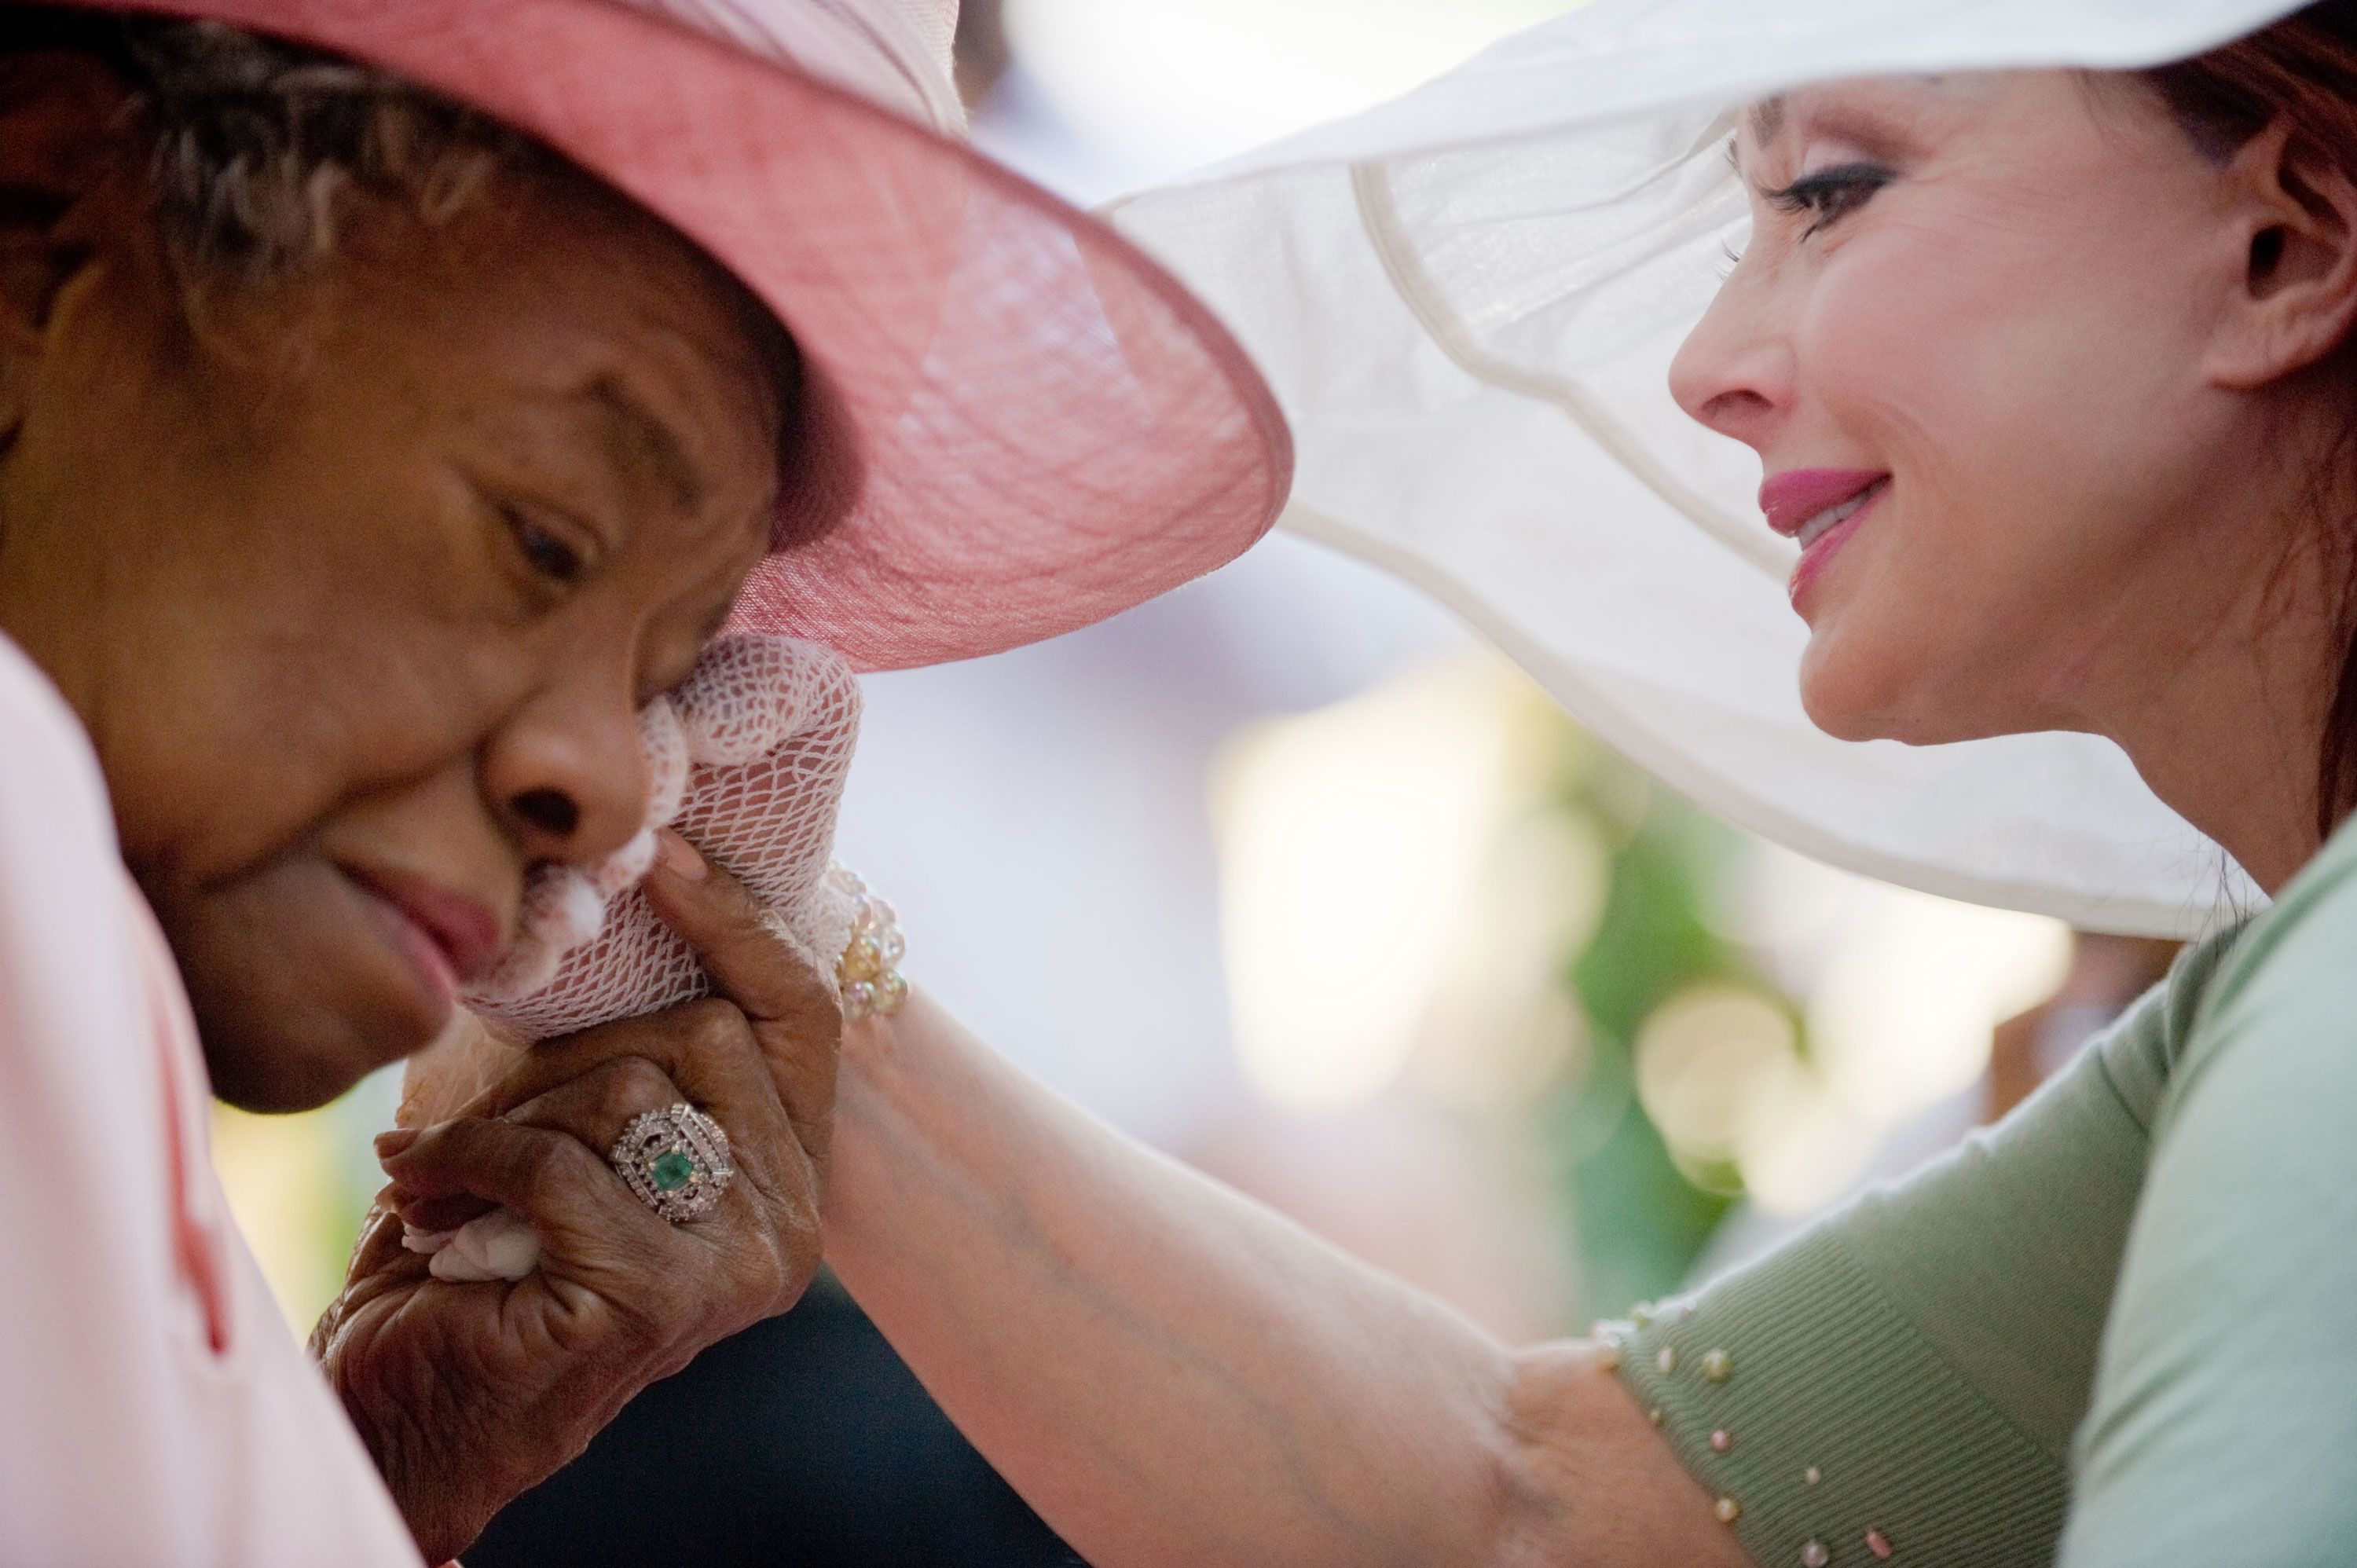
{"type": "Point", "coordinates": [896, 1053]}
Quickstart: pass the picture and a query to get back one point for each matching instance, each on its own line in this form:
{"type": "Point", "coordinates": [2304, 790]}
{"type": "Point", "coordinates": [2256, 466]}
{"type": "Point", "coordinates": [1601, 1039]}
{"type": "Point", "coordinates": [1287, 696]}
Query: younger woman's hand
{"type": "Point", "coordinates": [468, 1394]}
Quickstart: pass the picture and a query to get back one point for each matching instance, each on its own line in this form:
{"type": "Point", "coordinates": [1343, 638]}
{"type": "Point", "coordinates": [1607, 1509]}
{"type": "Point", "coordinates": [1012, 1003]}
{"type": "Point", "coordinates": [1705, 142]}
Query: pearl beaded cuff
{"type": "Point", "coordinates": [869, 974]}
{"type": "Point", "coordinates": [1829, 1430]}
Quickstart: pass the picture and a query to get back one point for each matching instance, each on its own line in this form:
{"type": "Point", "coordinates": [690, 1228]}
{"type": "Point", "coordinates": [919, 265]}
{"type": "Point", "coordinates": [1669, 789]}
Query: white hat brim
{"type": "Point", "coordinates": [1468, 300]}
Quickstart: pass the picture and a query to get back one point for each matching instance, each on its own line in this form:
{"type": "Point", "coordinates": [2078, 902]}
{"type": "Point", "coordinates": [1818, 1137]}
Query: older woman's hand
{"type": "Point", "coordinates": [468, 1394]}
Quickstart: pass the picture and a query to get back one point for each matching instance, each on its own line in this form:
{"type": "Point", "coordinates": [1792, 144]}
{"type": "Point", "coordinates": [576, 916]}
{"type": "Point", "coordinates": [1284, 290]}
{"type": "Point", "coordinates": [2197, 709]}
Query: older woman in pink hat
{"type": "Point", "coordinates": [392, 399]}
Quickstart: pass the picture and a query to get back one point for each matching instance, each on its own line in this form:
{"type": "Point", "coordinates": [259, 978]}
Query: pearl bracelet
{"type": "Point", "coordinates": [869, 975]}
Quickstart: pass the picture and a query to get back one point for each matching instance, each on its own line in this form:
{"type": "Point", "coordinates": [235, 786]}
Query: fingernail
{"type": "Point", "coordinates": [396, 1141]}
{"type": "Point", "coordinates": [679, 856]}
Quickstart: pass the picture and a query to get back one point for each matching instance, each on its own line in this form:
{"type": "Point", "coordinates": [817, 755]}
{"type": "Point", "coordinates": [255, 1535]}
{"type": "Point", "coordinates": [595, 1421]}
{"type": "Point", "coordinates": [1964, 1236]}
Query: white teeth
{"type": "Point", "coordinates": [1814, 529]}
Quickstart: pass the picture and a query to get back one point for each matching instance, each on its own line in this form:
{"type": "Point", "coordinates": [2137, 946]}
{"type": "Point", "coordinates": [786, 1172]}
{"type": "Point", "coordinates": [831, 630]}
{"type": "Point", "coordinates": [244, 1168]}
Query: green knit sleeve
{"type": "Point", "coordinates": [1901, 1382]}
{"type": "Point", "coordinates": [2224, 1423]}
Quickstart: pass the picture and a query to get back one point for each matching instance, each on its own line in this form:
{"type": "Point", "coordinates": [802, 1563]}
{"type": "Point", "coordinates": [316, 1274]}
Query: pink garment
{"type": "Point", "coordinates": [154, 1409]}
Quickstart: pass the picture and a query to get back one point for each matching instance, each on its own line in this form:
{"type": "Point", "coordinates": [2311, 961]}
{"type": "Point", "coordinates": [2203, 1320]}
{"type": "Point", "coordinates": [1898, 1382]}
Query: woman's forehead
{"type": "Point", "coordinates": [1765, 121]}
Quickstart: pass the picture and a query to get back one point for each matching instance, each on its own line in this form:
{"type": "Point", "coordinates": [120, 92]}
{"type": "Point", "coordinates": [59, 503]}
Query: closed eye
{"type": "Point", "coordinates": [1830, 195]}
{"type": "Point", "coordinates": [546, 548]}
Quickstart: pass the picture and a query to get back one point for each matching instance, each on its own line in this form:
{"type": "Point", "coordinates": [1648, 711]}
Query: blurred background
{"type": "Point", "coordinates": [1287, 874]}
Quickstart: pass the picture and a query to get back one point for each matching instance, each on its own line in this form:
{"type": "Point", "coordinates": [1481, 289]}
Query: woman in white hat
{"type": "Point", "coordinates": [2037, 319]}
{"type": "Point", "coordinates": [394, 398]}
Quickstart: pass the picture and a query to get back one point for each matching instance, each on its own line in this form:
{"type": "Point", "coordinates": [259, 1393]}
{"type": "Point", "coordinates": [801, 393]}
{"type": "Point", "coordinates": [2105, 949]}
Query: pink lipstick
{"type": "Point", "coordinates": [1821, 509]}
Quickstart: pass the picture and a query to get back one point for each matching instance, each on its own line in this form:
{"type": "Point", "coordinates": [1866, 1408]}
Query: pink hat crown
{"type": "Point", "coordinates": [893, 52]}
{"type": "Point", "coordinates": [1019, 423]}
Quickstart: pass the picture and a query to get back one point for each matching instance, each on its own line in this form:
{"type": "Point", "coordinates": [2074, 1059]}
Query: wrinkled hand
{"type": "Point", "coordinates": [468, 1394]}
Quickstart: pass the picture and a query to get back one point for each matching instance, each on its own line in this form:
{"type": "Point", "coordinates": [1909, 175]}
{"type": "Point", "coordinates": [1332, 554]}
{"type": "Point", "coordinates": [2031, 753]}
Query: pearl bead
{"type": "Point", "coordinates": [1812, 1475]}
{"type": "Point", "coordinates": [858, 999]}
{"type": "Point", "coordinates": [1814, 1556]}
{"type": "Point", "coordinates": [890, 991]}
{"type": "Point", "coordinates": [1654, 1415]}
{"type": "Point", "coordinates": [864, 959]}
{"type": "Point", "coordinates": [1721, 1441]}
{"type": "Point", "coordinates": [1667, 1360]}
{"type": "Point", "coordinates": [1727, 1510]}
{"type": "Point", "coordinates": [1607, 1354]}
{"type": "Point", "coordinates": [1877, 1544]}
{"type": "Point", "coordinates": [1718, 1365]}
{"type": "Point", "coordinates": [896, 946]}
{"type": "Point", "coordinates": [1642, 1315]}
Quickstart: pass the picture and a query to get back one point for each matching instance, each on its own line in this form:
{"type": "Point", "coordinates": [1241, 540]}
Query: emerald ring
{"type": "Point", "coordinates": [675, 1160]}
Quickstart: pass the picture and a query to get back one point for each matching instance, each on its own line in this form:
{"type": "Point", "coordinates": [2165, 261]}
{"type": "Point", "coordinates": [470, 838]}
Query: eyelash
{"type": "Point", "coordinates": [549, 555]}
{"type": "Point", "coordinates": [1831, 194]}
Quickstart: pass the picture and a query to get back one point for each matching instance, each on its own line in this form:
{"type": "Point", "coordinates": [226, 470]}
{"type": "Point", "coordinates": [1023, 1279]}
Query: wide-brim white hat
{"type": "Point", "coordinates": [1468, 300]}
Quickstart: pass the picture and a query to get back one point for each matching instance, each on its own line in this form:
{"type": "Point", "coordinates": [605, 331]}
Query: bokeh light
{"type": "Point", "coordinates": [1711, 1063]}
{"type": "Point", "coordinates": [1350, 843]}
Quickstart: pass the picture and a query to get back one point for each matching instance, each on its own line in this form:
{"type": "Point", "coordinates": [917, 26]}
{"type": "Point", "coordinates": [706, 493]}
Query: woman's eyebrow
{"type": "Point", "coordinates": [643, 446]}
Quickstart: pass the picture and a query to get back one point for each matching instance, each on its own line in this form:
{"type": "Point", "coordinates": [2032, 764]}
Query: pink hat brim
{"type": "Point", "coordinates": [1044, 427]}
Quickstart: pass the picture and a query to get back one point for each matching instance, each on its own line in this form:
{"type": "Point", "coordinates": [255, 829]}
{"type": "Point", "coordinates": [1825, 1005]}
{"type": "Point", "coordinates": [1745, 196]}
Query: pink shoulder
{"type": "Point", "coordinates": [54, 815]}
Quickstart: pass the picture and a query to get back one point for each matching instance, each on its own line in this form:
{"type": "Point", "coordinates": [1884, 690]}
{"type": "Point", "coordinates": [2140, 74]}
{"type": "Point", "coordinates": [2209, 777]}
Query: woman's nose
{"type": "Point", "coordinates": [568, 776]}
{"type": "Point", "coordinates": [1734, 373]}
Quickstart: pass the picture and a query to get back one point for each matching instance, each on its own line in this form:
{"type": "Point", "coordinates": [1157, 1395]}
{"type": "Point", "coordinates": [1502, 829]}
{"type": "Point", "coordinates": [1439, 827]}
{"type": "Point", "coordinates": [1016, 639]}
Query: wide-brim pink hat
{"type": "Point", "coordinates": [1034, 425]}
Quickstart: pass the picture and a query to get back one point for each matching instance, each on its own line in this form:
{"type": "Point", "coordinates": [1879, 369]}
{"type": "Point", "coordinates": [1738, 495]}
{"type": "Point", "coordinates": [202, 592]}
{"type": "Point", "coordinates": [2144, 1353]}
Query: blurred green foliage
{"type": "Point", "coordinates": [1642, 1221]}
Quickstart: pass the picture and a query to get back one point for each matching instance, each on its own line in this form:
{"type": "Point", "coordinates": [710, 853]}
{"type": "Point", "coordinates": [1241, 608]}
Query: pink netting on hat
{"type": "Point", "coordinates": [748, 759]}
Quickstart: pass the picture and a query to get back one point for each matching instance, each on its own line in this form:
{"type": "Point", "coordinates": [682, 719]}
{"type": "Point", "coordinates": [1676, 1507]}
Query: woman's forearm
{"type": "Point", "coordinates": [1172, 1374]}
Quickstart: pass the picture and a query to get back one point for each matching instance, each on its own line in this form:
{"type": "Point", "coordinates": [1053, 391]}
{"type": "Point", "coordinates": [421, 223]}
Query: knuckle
{"type": "Point", "coordinates": [546, 1173]}
{"type": "Point", "coordinates": [715, 1024]}
{"type": "Point", "coordinates": [634, 1084]}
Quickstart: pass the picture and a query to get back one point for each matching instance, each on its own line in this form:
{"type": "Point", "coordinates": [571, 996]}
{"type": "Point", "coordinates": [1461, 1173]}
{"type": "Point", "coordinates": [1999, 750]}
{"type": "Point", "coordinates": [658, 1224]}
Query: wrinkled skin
{"type": "Point", "coordinates": [363, 576]}
{"type": "Point", "coordinates": [358, 579]}
{"type": "Point", "coordinates": [620, 1294]}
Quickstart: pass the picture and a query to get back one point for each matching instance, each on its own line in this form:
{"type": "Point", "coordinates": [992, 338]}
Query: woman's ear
{"type": "Point", "coordinates": [2296, 302]}
{"type": "Point", "coordinates": [61, 118]}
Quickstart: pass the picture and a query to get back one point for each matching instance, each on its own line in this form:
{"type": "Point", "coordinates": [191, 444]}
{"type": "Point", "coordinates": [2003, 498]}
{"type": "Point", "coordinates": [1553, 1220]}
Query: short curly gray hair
{"type": "Point", "coordinates": [259, 146]}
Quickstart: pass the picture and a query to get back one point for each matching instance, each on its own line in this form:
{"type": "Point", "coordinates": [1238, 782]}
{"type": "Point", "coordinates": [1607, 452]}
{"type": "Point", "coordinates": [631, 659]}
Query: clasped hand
{"type": "Point", "coordinates": [466, 1394]}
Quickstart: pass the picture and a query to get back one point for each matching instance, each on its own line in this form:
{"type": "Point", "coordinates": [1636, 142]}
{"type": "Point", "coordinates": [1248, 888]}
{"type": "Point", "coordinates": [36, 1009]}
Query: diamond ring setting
{"type": "Point", "coordinates": [675, 1161]}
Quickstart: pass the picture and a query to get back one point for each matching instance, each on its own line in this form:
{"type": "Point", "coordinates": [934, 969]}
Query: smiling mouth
{"type": "Point", "coordinates": [1825, 522]}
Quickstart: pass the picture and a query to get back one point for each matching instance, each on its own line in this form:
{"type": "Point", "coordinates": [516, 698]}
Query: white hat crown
{"type": "Point", "coordinates": [893, 52]}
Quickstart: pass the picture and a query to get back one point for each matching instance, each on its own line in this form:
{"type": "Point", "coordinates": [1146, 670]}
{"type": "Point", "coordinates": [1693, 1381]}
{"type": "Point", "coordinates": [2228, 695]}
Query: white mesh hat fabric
{"type": "Point", "coordinates": [894, 52]}
{"type": "Point", "coordinates": [1466, 301]}
{"type": "Point", "coordinates": [748, 758]}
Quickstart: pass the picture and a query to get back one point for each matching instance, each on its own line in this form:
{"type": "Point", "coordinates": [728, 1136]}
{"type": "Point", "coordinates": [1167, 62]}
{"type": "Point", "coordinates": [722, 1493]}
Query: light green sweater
{"type": "Point", "coordinates": [2119, 1328]}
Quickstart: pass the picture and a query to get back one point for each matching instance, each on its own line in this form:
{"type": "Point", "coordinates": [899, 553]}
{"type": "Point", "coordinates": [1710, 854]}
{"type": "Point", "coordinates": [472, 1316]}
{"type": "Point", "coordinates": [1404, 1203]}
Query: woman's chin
{"type": "Point", "coordinates": [292, 1015]}
{"type": "Point", "coordinates": [1857, 694]}
{"type": "Point", "coordinates": [268, 1080]}
{"type": "Point", "coordinates": [298, 997]}
{"type": "Point", "coordinates": [1843, 694]}
{"type": "Point", "coordinates": [263, 1065]}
